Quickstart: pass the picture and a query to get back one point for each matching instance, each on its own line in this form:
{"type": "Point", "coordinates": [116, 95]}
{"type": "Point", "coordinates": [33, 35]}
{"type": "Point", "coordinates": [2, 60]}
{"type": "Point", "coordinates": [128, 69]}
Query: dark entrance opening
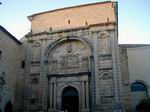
{"type": "Point", "coordinates": [70, 100]}
{"type": "Point", "coordinates": [8, 107]}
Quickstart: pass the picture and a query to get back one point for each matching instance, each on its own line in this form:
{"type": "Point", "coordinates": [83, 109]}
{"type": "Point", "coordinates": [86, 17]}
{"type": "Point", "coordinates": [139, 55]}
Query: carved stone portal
{"type": "Point", "coordinates": [71, 56]}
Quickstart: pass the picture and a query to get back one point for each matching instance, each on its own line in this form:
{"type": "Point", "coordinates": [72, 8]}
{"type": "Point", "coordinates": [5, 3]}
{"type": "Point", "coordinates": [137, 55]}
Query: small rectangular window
{"type": "Point", "coordinates": [23, 64]}
{"type": "Point", "coordinates": [0, 55]}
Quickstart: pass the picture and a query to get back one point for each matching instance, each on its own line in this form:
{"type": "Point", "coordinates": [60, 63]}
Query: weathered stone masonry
{"type": "Point", "coordinates": [68, 49]}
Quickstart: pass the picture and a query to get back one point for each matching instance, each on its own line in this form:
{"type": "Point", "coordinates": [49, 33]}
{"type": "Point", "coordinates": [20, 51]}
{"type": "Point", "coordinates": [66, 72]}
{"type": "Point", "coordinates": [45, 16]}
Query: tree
{"type": "Point", "coordinates": [144, 105]}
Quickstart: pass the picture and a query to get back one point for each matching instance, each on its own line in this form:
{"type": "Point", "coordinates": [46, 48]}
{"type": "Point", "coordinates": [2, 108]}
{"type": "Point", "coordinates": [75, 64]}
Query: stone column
{"type": "Point", "coordinates": [55, 94]}
{"type": "Point", "coordinates": [52, 95]}
{"type": "Point", "coordinates": [87, 95]}
{"type": "Point", "coordinates": [51, 101]}
{"type": "Point", "coordinates": [83, 96]}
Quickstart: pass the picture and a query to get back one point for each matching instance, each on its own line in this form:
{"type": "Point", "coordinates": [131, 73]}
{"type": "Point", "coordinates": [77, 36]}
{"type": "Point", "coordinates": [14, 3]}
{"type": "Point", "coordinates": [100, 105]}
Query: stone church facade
{"type": "Point", "coordinates": [72, 62]}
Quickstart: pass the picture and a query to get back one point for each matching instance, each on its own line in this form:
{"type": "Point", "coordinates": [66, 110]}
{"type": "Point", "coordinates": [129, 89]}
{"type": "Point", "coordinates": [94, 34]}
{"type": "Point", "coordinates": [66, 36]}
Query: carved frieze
{"type": "Point", "coordinates": [69, 57]}
{"type": "Point", "coordinates": [70, 61]}
{"type": "Point", "coordinates": [53, 65]}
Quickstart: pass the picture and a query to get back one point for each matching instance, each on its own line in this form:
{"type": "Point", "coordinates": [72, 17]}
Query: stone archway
{"type": "Point", "coordinates": [67, 58]}
{"type": "Point", "coordinates": [70, 99]}
{"type": "Point", "coordinates": [138, 92]}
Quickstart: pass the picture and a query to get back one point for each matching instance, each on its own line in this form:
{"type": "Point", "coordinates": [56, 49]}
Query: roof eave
{"type": "Point", "coordinates": [10, 35]}
{"type": "Point", "coordinates": [33, 15]}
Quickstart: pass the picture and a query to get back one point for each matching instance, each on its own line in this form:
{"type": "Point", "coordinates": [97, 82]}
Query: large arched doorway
{"type": "Point", "coordinates": [138, 92]}
{"type": "Point", "coordinates": [70, 99]}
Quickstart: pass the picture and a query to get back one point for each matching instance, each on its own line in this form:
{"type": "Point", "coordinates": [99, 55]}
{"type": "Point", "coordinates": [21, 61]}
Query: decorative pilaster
{"type": "Point", "coordinates": [92, 78]}
{"type": "Point", "coordinates": [116, 72]}
{"type": "Point", "coordinates": [96, 70]}
{"type": "Point", "coordinates": [43, 86]}
{"type": "Point", "coordinates": [27, 72]}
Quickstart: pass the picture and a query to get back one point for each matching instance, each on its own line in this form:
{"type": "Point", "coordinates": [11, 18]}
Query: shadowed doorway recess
{"type": "Point", "coordinates": [70, 100]}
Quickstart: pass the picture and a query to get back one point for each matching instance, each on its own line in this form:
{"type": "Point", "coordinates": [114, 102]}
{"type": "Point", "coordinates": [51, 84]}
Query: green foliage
{"type": "Point", "coordinates": [144, 105]}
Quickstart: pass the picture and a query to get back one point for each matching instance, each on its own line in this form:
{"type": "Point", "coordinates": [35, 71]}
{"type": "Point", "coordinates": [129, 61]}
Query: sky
{"type": "Point", "coordinates": [133, 16]}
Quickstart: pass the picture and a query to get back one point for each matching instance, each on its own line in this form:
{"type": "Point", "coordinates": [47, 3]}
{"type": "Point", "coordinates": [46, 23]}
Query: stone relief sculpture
{"type": "Point", "coordinates": [69, 48]}
{"type": "Point", "coordinates": [69, 55]}
{"type": "Point", "coordinates": [85, 62]}
{"type": "Point", "coordinates": [82, 47]}
{"type": "Point", "coordinates": [70, 61]}
{"type": "Point", "coordinates": [54, 65]}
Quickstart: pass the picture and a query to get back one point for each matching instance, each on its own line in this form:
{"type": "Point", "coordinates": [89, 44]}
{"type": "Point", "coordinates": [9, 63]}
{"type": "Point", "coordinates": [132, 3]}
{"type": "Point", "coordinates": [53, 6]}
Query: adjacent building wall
{"type": "Point", "coordinates": [139, 64]}
{"type": "Point", "coordinates": [10, 66]}
{"type": "Point", "coordinates": [139, 69]}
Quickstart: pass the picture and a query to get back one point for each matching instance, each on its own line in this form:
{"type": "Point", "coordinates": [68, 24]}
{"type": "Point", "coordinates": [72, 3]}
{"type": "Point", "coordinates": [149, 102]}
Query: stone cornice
{"type": "Point", "coordinates": [107, 24]}
{"type": "Point", "coordinates": [69, 75]}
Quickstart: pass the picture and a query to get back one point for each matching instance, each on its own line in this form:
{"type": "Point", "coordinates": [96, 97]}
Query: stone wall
{"type": "Point", "coordinates": [80, 50]}
{"type": "Point", "coordinates": [46, 58]}
{"type": "Point", "coordinates": [73, 17]}
{"type": "Point", "coordinates": [139, 70]}
{"type": "Point", "coordinates": [10, 68]}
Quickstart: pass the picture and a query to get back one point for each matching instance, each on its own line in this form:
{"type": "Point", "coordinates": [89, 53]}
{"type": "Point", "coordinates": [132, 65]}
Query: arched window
{"type": "Point", "coordinates": [138, 86]}
{"type": "Point", "coordinates": [138, 92]}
